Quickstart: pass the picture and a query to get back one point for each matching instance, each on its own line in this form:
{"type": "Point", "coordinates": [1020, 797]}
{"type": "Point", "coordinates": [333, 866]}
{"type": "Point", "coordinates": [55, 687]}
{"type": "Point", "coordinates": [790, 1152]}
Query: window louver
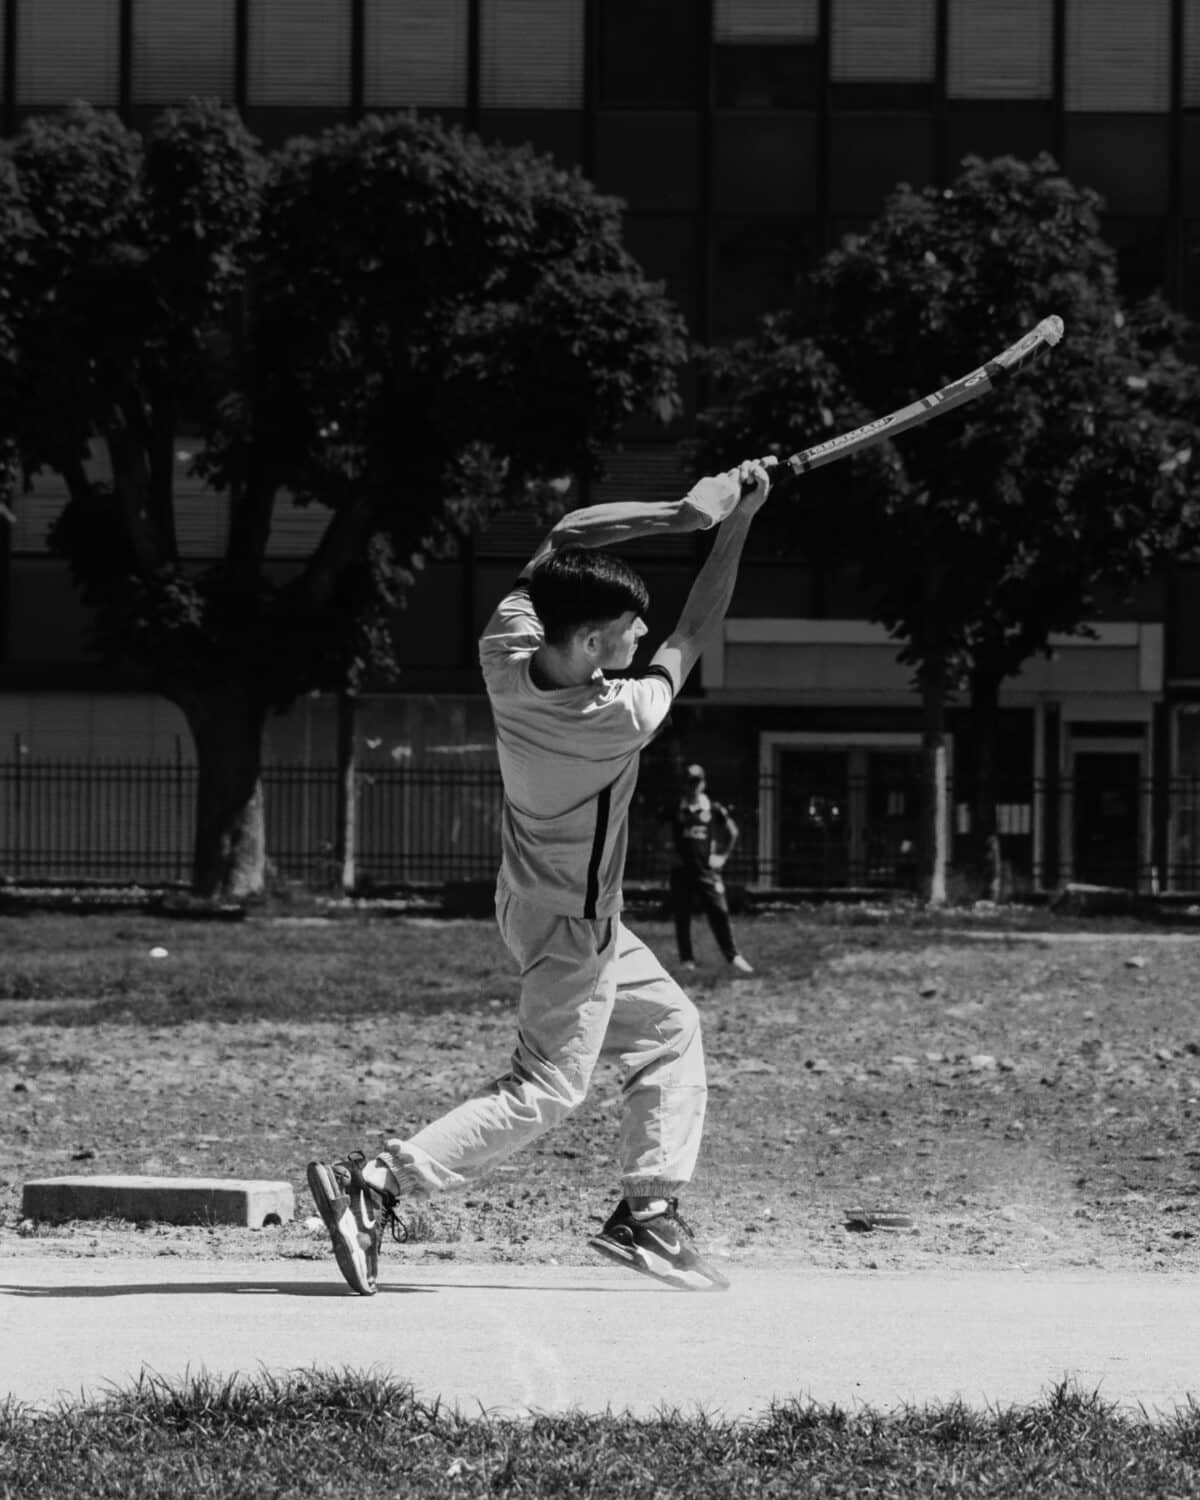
{"type": "Point", "coordinates": [766, 20]}
{"type": "Point", "coordinates": [1118, 55]}
{"type": "Point", "coordinates": [299, 53]}
{"type": "Point", "coordinates": [415, 54]}
{"type": "Point", "coordinates": [531, 54]}
{"type": "Point", "coordinates": [181, 48]}
{"type": "Point", "coordinates": [1191, 54]}
{"type": "Point", "coordinates": [68, 51]}
{"type": "Point", "coordinates": [1001, 49]}
{"type": "Point", "coordinates": [884, 41]}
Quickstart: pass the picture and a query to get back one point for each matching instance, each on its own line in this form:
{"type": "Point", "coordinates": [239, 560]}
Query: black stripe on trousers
{"type": "Point", "coordinates": [603, 803]}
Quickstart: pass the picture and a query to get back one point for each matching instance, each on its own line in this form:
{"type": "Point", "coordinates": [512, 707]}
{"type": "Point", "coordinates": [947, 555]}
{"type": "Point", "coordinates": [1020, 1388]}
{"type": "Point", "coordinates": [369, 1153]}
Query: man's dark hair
{"type": "Point", "coordinates": [578, 587]}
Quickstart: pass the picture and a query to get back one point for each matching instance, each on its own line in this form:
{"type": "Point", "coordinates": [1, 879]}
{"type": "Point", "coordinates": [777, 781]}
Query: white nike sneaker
{"type": "Point", "coordinates": [658, 1245]}
{"type": "Point", "coordinates": [354, 1213]}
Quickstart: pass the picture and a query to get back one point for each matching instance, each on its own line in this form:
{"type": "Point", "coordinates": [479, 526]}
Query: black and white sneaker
{"type": "Point", "coordinates": [354, 1213]}
{"type": "Point", "coordinates": [658, 1245]}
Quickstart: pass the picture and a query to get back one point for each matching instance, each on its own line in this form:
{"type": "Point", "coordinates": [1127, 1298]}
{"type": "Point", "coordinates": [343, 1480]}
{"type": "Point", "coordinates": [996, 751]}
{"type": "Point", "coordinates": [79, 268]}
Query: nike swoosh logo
{"type": "Point", "coordinates": [668, 1246]}
{"type": "Point", "coordinates": [368, 1218]}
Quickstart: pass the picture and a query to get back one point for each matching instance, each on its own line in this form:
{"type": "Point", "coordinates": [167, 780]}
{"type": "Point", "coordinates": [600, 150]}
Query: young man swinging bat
{"type": "Point", "coordinates": [569, 738]}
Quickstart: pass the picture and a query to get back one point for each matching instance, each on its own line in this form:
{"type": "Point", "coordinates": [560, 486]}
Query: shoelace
{"type": "Point", "coordinates": [386, 1204]}
{"type": "Point", "coordinates": [382, 1202]}
{"type": "Point", "coordinates": [677, 1218]}
{"type": "Point", "coordinates": [672, 1213]}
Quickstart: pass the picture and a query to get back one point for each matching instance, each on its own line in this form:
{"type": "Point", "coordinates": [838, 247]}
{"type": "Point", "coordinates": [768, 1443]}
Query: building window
{"type": "Point", "coordinates": [767, 77]}
{"type": "Point", "coordinates": [1001, 49]}
{"type": "Point", "coordinates": [547, 132]}
{"type": "Point", "coordinates": [1191, 268]}
{"type": "Point", "coordinates": [666, 251]}
{"type": "Point", "coordinates": [883, 41]}
{"type": "Point", "coordinates": [47, 619]}
{"type": "Point", "coordinates": [767, 54]}
{"type": "Point", "coordinates": [1118, 56]}
{"type": "Point", "coordinates": [68, 51]}
{"type": "Point", "coordinates": [1141, 246]}
{"type": "Point", "coordinates": [838, 810]}
{"type": "Point", "coordinates": [650, 159]}
{"type": "Point", "coordinates": [1187, 744]}
{"type": "Point", "coordinates": [531, 54]}
{"type": "Point", "coordinates": [415, 54]}
{"type": "Point", "coordinates": [1124, 157]}
{"type": "Point", "coordinates": [180, 49]}
{"type": "Point", "coordinates": [1000, 128]}
{"type": "Point", "coordinates": [1190, 146]}
{"type": "Point", "coordinates": [1184, 802]}
{"type": "Point", "coordinates": [770, 21]}
{"type": "Point", "coordinates": [1183, 623]}
{"type": "Point", "coordinates": [871, 153]}
{"type": "Point", "coordinates": [1191, 54]}
{"type": "Point", "coordinates": [765, 164]}
{"type": "Point", "coordinates": [759, 266]}
{"type": "Point", "coordinates": [650, 55]}
{"type": "Point", "coordinates": [299, 53]}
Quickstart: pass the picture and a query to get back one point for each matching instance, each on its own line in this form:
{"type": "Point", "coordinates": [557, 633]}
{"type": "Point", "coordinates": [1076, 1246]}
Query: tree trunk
{"type": "Point", "coordinates": [230, 856]}
{"type": "Point", "coordinates": [985, 838]}
{"type": "Point", "coordinates": [935, 792]}
{"type": "Point", "coordinates": [347, 806]}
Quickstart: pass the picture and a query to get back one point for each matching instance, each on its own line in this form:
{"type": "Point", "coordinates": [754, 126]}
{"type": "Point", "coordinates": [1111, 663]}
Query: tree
{"type": "Point", "coordinates": [980, 535]}
{"type": "Point", "coordinates": [393, 322]}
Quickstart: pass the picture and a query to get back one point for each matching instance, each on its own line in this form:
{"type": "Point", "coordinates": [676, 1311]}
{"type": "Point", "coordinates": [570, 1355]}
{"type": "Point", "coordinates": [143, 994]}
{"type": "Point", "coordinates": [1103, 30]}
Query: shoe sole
{"type": "Point", "coordinates": [349, 1256]}
{"type": "Point", "coordinates": [676, 1279]}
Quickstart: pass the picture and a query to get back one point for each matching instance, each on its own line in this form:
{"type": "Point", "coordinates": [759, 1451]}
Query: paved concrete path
{"type": "Point", "coordinates": [518, 1339]}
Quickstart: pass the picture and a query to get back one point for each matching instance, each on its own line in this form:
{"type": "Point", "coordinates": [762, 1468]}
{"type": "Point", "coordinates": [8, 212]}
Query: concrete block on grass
{"type": "Point", "coordinates": [1077, 900]}
{"type": "Point", "coordinates": [163, 1200]}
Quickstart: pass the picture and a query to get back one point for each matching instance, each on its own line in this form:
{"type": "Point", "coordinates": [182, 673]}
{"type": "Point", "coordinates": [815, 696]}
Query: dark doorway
{"type": "Point", "coordinates": [1107, 817]}
{"type": "Point", "coordinates": [848, 816]}
{"type": "Point", "coordinates": [814, 818]}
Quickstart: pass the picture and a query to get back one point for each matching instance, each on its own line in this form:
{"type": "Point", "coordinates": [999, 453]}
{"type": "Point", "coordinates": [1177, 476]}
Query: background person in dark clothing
{"type": "Point", "coordinates": [704, 835]}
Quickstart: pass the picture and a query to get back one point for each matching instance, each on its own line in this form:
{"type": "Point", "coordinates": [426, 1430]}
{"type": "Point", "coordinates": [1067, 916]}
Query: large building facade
{"type": "Point", "coordinates": [745, 136]}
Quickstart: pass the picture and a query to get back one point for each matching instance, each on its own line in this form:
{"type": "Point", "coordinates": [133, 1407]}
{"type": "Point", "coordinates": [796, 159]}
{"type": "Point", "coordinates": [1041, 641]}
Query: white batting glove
{"type": "Point", "coordinates": [714, 499]}
{"type": "Point", "coordinates": [754, 482]}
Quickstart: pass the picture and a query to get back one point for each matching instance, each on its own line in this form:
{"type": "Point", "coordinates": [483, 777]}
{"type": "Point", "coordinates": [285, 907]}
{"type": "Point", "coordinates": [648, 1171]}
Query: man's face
{"type": "Point", "coordinates": [617, 641]}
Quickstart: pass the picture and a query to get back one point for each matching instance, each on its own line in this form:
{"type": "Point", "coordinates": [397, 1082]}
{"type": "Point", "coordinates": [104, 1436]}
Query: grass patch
{"type": "Point", "coordinates": [333, 1434]}
{"type": "Point", "coordinates": [71, 970]}
{"type": "Point", "coordinates": [252, 970]}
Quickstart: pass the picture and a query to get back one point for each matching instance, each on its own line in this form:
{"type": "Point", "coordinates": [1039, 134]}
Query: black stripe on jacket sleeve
{"type": "Point", "coordinates": [592, 890]}
{"type": "Point", "coordinates": [660, 672]}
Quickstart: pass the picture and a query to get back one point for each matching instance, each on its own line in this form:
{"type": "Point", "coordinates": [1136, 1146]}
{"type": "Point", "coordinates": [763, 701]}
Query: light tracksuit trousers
{"type": "Point", "coordinates": [589, 989]}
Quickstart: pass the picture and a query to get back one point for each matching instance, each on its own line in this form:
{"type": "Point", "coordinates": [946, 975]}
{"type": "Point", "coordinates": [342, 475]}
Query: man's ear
{"type": "Point", "coordinates": [588, 640]}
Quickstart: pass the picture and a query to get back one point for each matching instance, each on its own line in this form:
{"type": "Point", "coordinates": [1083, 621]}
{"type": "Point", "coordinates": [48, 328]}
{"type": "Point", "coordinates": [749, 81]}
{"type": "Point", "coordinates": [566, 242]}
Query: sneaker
{"type": "Point", "coordinates": [740, 965]}
{"type": "Point", "coordinates": [658, 1246]}
{"type": "Point", "coordinates": [354, 1213]}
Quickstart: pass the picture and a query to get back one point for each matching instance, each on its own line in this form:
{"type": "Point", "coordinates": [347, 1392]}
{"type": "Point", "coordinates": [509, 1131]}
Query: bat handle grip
{"type": "Point", "coordinates": [778, 470]}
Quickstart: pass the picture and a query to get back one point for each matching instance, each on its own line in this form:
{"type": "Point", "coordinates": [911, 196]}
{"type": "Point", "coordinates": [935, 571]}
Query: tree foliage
{"type": "Point", "coordinates": [394, 323]}
{"type": "Point", "coordinates": [981, 534]}
{"type": "Point", "coordinates": [991, 528]}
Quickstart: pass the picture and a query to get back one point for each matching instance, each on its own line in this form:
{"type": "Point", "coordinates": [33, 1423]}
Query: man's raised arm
{"type": "Point", "coordinates": [711, 593]}
{"type": "Point", "coordinates": [705, 505]}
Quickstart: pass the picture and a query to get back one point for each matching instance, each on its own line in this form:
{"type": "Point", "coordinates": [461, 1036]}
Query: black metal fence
{"type": "Point", "coordinates": [133, 822]}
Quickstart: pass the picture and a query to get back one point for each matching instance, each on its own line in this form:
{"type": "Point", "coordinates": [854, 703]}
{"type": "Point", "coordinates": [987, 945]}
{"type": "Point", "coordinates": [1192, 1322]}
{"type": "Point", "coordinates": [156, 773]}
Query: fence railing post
{"type": "Point", "coordinates": [18, 820]}
{"type": "Point", "coordinates": [427, 823]}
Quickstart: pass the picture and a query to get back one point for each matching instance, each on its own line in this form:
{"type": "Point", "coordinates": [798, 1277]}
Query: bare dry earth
{"type": "Point", "coordinates": [1030, 1102]}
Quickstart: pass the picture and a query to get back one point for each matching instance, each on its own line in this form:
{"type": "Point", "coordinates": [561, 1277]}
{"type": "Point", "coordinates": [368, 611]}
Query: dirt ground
{"type": "Point", "coordinates": [1030, 1101]}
